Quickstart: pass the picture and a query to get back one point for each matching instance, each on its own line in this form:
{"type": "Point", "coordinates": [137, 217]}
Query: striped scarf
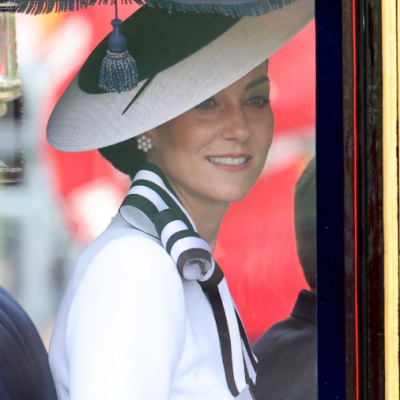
{"type": "Point", "coordinates": [152, 207]}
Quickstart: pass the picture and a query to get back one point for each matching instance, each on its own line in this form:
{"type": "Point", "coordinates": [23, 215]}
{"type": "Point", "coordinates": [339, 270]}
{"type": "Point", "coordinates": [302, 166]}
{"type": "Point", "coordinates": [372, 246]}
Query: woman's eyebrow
{"type": "Point", "coordinates": [256, 82]}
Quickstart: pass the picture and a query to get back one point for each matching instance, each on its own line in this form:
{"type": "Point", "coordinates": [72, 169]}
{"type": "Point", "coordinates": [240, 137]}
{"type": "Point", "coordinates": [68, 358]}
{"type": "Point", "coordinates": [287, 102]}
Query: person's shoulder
{"type": "Point", "coordinates": [124, 253]}
{"type": "Point", "coordinates": [287, 356]}
{"type": "Point", "coordinates": [273, 336]}
{"type": "Point", "coordinates": [128, 265]}
{"type": "Point", "coordinates": [24, 370]}
{"type": "Point", "coordinates": [120, 232]}
{"type": "Point", "coordinates": [285, 333]}
{"type": "Point", "coordinates": [120, 240]}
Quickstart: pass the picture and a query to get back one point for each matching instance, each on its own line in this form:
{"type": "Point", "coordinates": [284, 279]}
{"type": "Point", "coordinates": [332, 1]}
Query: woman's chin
{"type": "Point", "coordinates": [233, 196]}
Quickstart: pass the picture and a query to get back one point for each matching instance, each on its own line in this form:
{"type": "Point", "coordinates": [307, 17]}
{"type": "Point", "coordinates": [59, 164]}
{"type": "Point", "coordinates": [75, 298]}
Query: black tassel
{"type": "Point", "coordinates": [118, 71]}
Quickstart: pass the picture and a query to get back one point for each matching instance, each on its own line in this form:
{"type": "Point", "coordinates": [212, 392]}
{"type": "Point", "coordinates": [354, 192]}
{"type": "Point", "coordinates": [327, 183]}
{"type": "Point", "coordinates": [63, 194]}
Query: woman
{"type": "Point", "coordinates": [147, 313]}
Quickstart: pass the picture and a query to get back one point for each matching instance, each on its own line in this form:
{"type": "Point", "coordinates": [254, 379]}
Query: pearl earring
{"type": "Point", "coordinates": [144, 143]}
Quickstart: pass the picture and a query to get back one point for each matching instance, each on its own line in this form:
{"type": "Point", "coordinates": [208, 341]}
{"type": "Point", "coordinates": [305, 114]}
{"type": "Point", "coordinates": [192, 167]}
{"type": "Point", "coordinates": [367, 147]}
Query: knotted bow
{"type": "Point", "coordinates": [152, 207]}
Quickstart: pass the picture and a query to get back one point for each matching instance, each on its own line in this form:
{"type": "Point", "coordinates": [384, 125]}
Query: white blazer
{"type": "Point", "coordinates": [129, 327]}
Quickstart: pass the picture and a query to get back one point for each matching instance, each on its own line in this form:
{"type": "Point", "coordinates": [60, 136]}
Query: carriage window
{"type": "Point", "coordinates": [357, 194]}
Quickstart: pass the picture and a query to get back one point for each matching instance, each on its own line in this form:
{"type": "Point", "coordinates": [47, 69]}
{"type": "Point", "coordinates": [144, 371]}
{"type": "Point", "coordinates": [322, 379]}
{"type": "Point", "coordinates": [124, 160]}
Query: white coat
{"type": "Point", "coordinates": [129, 327]}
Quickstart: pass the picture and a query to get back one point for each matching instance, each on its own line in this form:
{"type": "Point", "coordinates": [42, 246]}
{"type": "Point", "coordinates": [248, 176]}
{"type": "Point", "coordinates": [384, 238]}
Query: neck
{"type": "Point", "coordinates": [207, 218]}
{"type": "Point", "coordinates": [206, 213]}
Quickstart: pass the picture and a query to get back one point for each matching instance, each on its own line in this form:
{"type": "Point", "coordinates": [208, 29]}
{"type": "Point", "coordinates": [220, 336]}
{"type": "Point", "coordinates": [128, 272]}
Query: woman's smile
{"type": "Point", "coordinates": [229, 162]}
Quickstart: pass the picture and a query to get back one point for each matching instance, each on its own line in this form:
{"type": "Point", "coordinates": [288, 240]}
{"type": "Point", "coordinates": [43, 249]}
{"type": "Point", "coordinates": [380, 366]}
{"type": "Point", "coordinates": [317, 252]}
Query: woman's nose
{"type": "Point", "coordinates": [236, 125]}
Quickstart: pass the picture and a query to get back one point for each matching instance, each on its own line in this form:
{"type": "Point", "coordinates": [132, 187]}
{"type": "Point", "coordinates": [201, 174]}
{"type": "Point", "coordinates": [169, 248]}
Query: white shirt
{"type": "Point", "coordinates": [129, 327]}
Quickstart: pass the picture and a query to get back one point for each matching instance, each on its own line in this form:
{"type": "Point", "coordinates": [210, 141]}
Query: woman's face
{"type": "Point", "coordinates": [216, 151]}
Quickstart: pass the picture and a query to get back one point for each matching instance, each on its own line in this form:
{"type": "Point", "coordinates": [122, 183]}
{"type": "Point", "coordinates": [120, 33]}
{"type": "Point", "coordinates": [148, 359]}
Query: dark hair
{"type": "Point", "coordinates": [305, 221]}
{"type": "Point", "coordinates": [124, 156]}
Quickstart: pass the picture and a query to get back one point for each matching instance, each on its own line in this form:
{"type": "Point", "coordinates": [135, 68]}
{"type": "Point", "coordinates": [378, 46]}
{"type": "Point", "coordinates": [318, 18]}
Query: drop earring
{"type": "Point", "coordinates": [144, 143]}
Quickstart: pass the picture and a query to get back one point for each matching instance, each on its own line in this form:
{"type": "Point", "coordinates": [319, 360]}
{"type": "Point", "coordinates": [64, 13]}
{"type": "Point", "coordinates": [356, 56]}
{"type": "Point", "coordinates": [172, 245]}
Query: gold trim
{"type": "Point", "coordinates": [390, 73]}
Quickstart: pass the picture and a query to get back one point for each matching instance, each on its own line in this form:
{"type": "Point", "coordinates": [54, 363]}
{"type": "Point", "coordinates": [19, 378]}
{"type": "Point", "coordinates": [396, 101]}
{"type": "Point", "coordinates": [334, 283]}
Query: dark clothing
{"type": "Point", "coordinates": [24, 368]}
{"type": "Point", "coordinates": [287, 355]}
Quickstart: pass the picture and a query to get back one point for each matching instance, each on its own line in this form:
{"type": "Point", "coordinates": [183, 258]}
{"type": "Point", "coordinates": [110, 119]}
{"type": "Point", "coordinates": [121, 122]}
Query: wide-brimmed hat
{"type": "Point", "coordinates": [197, 55]}
{"type": "Point", "coordinates": [186, 57]}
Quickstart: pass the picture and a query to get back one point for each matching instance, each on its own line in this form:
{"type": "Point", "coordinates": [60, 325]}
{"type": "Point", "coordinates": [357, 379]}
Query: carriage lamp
{"type": "Point", "coordinates": [11, 101]}
{"type": "Point", "coordinates": [10, 85]}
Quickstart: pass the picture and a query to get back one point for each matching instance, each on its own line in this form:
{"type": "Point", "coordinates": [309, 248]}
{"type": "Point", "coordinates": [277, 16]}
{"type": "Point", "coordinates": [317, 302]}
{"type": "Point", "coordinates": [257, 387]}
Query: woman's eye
{"type": "Point", "coordinates": [206, 104]}
{"type": "Point", "coordinates": [258, 101]}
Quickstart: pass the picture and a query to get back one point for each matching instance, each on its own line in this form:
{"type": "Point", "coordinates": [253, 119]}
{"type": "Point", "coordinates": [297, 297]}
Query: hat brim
{"type": "Point", "coordinates": [82, 121]}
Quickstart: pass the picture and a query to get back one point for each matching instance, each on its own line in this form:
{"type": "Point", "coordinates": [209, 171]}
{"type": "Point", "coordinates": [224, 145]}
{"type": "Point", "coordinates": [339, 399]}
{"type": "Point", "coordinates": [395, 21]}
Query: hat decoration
{"type": "Point", "coordinates": [162, 39]}
{"type": "Point", "coordinates": [118, 71]}
{"type": "Point", "coordinates": [232, 8]}
{"type": "Point", "coordinates": [235, 8]}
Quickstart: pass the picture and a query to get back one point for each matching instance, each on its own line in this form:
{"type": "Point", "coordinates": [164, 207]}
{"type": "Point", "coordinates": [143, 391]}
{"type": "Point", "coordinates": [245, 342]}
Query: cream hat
{"type": "Point", "coordinates": [192, 57]}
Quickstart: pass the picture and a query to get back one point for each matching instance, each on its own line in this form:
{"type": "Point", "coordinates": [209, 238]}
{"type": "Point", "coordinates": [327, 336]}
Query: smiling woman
{"type": "Point", "coordinates": [147, 312]}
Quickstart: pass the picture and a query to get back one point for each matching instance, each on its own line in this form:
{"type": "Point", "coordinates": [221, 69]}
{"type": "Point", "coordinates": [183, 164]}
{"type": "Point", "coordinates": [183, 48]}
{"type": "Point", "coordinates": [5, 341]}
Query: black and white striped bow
{"type": "Point", "coordinates": [152, 207]}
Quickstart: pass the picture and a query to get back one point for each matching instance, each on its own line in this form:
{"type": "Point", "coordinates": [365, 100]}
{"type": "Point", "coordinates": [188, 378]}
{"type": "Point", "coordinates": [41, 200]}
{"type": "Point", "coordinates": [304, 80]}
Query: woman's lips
{"type": "Point", "coordinates": [237, 162]}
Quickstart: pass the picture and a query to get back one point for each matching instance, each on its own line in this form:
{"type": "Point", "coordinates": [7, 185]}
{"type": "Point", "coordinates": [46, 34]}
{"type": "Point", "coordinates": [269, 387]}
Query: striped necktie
{"type": "Point", "coordinates": [152, 207]}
